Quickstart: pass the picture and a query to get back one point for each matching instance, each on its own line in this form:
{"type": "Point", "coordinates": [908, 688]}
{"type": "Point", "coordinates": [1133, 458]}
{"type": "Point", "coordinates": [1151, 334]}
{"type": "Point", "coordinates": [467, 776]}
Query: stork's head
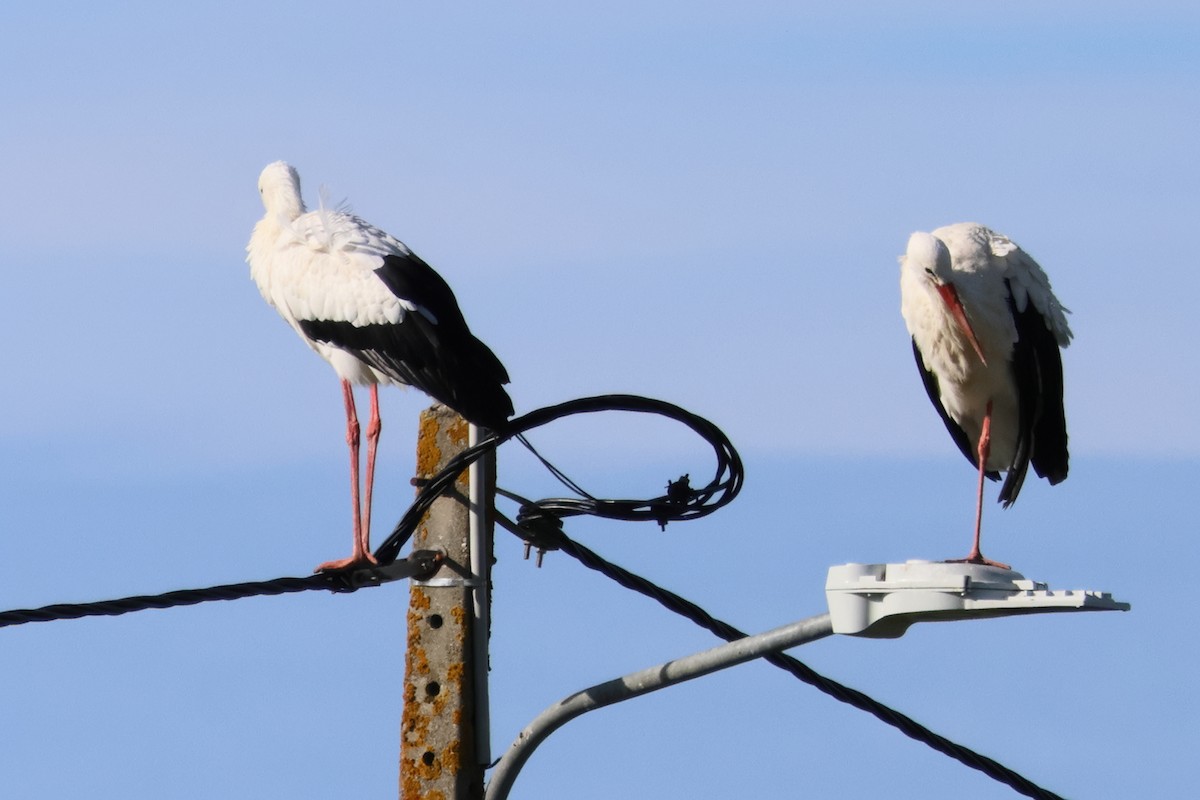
{"type": "Point", "coordinates": [279, 186]}
{"type": "Point", "coordinates": [928, 259]}
{"type": "Point", "coordinates": [927, 253]}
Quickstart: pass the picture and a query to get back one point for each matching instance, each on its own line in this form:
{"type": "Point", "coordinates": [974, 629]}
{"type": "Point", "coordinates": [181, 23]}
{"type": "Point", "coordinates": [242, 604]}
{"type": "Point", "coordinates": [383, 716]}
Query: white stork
{"type": "Point", "coordinates": [986, 332]}
{"type": "Point", "coordinates": [376, 312]}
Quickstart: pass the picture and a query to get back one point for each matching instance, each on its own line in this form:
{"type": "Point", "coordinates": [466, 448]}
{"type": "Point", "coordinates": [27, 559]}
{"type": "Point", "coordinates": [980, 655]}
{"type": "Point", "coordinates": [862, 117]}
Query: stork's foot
{"type": "Point", "coordinates": [356, 561]}
{"type": "Point", "coordinates": [977, 558]}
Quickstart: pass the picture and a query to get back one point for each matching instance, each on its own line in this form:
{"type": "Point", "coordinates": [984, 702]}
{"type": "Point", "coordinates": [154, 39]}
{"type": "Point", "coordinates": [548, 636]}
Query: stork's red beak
{"type": "Point", "coordinates": [950, 296]}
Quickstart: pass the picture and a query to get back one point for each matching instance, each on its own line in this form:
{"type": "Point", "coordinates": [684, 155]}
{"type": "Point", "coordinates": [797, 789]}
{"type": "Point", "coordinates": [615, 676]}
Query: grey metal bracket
{"type": "Point", "coordinates": [418, 564]}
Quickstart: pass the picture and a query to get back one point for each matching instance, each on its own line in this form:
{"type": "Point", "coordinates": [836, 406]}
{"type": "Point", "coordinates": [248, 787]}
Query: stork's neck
{"type": "Point", "coordinates": [284, 203]}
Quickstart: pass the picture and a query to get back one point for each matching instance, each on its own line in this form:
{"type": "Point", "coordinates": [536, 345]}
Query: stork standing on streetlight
{"type": "Point", "coordinates": [987, 331]}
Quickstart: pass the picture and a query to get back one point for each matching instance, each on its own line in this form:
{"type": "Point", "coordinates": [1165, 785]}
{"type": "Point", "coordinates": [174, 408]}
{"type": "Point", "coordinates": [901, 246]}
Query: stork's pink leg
{"type": "Point", "coordinates": [985, 447]}
{"type": "Point", "coordinates": [352, 439]}
{"type": "Point", "coordinates": [374, 426]}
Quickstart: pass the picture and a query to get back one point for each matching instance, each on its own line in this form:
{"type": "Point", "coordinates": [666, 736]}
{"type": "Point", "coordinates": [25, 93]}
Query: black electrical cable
{"type": "Point", "coordinates": [681, 502]}
{"type": "Point", "coordinates": [182, 597]}
{"type": "Point", "coordinates": [417, 564]}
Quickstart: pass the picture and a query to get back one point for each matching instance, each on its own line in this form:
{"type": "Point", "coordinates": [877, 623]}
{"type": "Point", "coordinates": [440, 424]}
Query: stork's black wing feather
{"type": "Point", "coordinates": [1042, 426]}
{"type": "Point", "coordinates": [933, 389]}
{"type": "Point", "coordinates": [410, 278]}
{"type": "Point", "coordinates": [439, 356]}
{"type": "Point", "coordinates": [1025, 376]}
{"type": "Point", "coordinates": [1050, 457]}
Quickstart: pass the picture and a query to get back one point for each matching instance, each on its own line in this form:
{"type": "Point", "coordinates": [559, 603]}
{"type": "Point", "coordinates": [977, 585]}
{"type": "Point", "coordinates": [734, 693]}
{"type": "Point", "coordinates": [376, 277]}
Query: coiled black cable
{"type": "Point", "coordinates": [681, 501]}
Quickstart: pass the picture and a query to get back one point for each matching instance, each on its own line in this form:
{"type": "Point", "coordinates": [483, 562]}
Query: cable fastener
{"type": "Point", "coordinates": [539, 529]}
{"type": "Point", "coordinates": [418, 562]}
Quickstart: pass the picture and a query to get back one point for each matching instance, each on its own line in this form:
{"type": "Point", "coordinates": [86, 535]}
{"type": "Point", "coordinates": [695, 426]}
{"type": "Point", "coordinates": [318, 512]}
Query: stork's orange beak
{"type": "Point", "coordinates": [950, 296]}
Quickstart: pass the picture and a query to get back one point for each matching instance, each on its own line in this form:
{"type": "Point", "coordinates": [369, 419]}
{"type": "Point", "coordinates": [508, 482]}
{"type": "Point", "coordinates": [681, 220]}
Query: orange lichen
{"type": "Point", "coordinates": [418, 599]}
{"type": "Point", "coordinates": [452, 756]}
{"type": "Point", "coordinates": [419, 662]}
{"type": "Point", "coordinates": [411, 786]}
{"type": "Point", "coordinates": [429, 455]}
{"type": "Point", "coordinates": [457, 431]}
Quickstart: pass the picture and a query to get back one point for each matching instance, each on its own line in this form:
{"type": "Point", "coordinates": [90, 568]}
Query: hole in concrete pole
{"type": "Point", "coordinates": [435, 620]}
{"type": "Point", "coordinates": [433, 688]}
{"type": "Point", "coordinates": [427, 758]}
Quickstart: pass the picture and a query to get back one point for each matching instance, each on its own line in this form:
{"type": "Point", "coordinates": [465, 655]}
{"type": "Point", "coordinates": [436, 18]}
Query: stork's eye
{"type": "Point", "coordinates": [929, 272]}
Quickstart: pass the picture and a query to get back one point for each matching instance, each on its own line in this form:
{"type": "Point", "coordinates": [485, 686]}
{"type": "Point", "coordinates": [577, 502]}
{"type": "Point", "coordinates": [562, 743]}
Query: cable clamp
{"type": "Point", "coordinates": [419, 562]}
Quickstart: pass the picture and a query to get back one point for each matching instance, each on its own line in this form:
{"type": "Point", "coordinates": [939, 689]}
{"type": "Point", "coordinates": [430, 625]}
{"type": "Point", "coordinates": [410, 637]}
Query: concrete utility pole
{"type": "Point", "coordinates": [445, 673]}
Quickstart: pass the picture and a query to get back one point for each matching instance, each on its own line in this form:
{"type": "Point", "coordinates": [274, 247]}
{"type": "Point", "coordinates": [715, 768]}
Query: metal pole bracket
{"type": "Point", "coordinates": [418, 564]}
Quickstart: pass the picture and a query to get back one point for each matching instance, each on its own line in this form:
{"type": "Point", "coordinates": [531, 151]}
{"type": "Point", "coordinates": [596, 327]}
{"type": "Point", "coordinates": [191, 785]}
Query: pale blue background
{"type": "Point", "coordinates": [701, 202]}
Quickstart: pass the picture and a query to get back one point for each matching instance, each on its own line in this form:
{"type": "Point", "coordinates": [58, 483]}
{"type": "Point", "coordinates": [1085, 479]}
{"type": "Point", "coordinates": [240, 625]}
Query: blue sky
{"type": "Point", "coordinates": [687, 201]}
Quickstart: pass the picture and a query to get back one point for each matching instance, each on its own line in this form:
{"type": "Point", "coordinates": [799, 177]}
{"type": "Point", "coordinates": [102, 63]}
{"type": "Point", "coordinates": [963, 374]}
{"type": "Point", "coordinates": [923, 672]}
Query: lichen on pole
{"type": "Point", "coordinates": [437, 753]}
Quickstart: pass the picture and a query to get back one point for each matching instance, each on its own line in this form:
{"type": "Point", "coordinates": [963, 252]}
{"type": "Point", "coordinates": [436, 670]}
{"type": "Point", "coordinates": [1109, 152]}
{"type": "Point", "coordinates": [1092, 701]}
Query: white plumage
{"type": "Point", "coordinates": [986, 331]}
{"type": "Point", "coordinates": [376, 312]}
